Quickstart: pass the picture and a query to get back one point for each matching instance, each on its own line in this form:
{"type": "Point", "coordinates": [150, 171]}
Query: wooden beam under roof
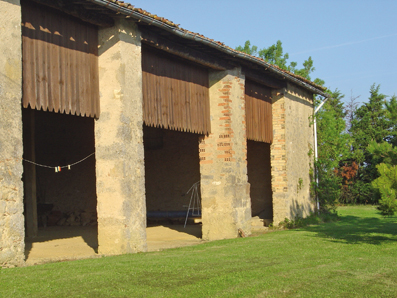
{"type": "Point", "coordinates": [164, 44]}
{"type": "Point", "coordinates": [79, 9]}
{"type": "Point", "coordinates": [264, 79]}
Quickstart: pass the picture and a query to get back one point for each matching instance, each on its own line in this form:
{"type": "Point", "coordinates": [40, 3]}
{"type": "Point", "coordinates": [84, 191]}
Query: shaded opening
{"type": "Point", "coordinates": [59, 203]}
{"type": "Point", "coordinates": [171, 169]}
{"type": "Point", "coordinates": [259, 176]}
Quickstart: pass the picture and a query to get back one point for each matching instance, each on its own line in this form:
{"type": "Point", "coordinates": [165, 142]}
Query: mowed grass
{"type": "Point", "coordinates": [354, 257]}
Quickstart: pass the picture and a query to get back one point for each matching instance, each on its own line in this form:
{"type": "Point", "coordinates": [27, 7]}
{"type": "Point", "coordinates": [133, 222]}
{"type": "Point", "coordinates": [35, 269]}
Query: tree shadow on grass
{"type": "Point", "coordinates": [357, 230]}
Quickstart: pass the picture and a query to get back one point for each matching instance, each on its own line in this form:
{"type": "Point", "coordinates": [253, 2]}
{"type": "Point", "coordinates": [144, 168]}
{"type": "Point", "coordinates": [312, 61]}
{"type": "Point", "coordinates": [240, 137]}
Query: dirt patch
{"type": "Point", "coordinates": [76, 242]}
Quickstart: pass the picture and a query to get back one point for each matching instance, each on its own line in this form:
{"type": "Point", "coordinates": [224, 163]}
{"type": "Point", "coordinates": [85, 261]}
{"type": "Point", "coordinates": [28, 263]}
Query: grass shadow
{"type": "Point", "coordinates": [355, 230]}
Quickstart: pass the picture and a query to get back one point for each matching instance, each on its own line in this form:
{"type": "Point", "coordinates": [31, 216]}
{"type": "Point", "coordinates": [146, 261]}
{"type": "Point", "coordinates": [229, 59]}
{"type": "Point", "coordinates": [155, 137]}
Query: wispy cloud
{"type": "Point", "coordinates": [344, 44]}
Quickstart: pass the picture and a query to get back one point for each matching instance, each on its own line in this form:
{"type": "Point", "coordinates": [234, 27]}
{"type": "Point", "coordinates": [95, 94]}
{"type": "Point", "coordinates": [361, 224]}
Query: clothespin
{"type": "Point", "coordinates": [68, 167]}
{"type": "Point", "coordinates": [56, 169]}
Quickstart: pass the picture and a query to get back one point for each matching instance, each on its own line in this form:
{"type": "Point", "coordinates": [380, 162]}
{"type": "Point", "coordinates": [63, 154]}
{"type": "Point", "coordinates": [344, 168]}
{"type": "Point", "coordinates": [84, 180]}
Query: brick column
{"type": "Point", "coordinates": [226, 205]}
{"type": "Point", "coordinates": [12, 231]}
{"type": "Point", "coordinates": [119, 142]}
{"type": "Point", "coordinates": [278, 155]}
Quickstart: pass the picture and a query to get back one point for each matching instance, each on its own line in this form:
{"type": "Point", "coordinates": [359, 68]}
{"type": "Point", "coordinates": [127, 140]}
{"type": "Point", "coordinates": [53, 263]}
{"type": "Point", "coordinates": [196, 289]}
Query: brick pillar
{"type": "Point", "coordinates": [226, 204]}
{"type": "Point", "coordinates": [12, 231]}
{"type": "Point", "coordinates": [278, 155]}
{"type": "Point", "coordinates": [119, 142]}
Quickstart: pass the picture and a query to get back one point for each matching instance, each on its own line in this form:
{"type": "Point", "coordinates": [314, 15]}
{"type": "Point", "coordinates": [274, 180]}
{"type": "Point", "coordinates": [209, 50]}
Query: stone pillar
{"type": "Point", "coordinates": [278, 161]}
{"type": "Point", "coordinates": [290, 159]}
{"type": "Point", "coordinates": [299, 141]}
{"type": "Point", "coordinates": [119, 142]}
{"type": "Point", "coordinates": [226, 204]}
{"type": "Point", "coordinates": [11, 188]}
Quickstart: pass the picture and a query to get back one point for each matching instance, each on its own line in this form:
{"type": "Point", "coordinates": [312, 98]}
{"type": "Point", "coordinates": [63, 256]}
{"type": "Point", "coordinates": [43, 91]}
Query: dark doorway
{"type": "Point", "coordinates": [60, 189]}
{"type": "Point", "coordinates": [171, 169]}
{"type": "Point", "coordinates": [259, 176]}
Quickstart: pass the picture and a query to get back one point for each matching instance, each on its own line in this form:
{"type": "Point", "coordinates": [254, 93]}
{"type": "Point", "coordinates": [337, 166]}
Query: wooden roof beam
{"type": "Point", "coordinates": [73, 8]}
{"type": "Point", "coordinates": [264, 79]}
{"type": "Point", "coordinates": [164, 44]}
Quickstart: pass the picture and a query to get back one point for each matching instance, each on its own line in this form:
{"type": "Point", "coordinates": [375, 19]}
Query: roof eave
{"type": "Point", "coordinates": [195, 37]}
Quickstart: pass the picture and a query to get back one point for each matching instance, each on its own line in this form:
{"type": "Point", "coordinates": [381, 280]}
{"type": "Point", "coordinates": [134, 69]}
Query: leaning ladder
{"type": "Point", "coordinates": [195, 201]}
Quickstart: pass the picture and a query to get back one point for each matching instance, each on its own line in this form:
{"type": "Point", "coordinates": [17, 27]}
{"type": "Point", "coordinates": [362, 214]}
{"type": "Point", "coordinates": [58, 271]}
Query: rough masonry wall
{"type": "Point", "coordinates": [119, 142]}
{"type": "Point", "coordinates": [224, 187]}
{"type": "Point", "coordinates": [12, 230]}
{"type": "Point", "coordinates": [290, 160]}
{"type": "Point", "coordinates": [299, 141]}
{"type": "Point", "coordinates": [278, 158]}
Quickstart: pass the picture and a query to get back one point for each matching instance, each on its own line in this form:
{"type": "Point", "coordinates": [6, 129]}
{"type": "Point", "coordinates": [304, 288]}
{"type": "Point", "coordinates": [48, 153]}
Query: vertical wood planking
{"type": "Point", "coordinates": [258, 112]}
{"type": "Point", "coordinates": [60, 62]}
{"type": "Point", "coordinates": [175, 93]}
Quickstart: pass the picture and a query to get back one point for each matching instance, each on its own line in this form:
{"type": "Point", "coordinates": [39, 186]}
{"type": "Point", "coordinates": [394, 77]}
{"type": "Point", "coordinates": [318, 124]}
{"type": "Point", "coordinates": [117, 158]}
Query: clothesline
{"type": "Point", "coordinates": [58, 168]}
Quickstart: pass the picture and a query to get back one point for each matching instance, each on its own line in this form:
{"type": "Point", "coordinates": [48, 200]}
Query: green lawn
{"type": "Point", "coordinates": [354, 257]}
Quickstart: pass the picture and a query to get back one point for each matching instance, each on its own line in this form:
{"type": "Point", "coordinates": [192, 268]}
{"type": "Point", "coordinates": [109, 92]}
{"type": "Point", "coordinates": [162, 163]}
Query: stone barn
{"type": "Point", "coordinates": [112, 111]}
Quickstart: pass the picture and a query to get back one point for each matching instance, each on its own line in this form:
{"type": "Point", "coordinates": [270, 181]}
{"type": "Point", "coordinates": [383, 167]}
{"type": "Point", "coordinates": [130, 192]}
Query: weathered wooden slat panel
{"type": "Point", "coordinates": [258, 109]}
{"type": "Point", "coordinates": [28, 87]}
{"type": "Point", "coordinates": [175, 93]}
{"type": "Point", "coordinates": [55, 69]}
{"type": "Point", "coordinates": [60, 62]}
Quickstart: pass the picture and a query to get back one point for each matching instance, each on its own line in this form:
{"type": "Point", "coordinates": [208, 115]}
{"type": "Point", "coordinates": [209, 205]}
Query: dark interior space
{"type": "Point", "coordinates": [259, 176]}
{"type": "Point", "coordinates": [63, 179]}
{"type": "Point", "coordinates": [171, 169]}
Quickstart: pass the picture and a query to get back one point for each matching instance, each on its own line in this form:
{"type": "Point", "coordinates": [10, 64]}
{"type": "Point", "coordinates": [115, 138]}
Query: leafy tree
{"type": "Point", "coordinates": [335, 101]}
{"type": "Point", "coordinates": [275, 55]}
{"type": "Point", "coordinates": [370, 124]}
{"type": "Point", "coordinates": [391, 115]}
{"type": "Point", "coordinates": [386, 183]}
{"type": "Point", "coordinates": [253, 51]}
{"type": "Point", "coordinates": [350, 110]}
{"type": "Point", "coordinates": [348, 172]}
{"type": "Point", "coordinates": [307, 69]}
{"type": "Point", "coordinates": [333, 144]}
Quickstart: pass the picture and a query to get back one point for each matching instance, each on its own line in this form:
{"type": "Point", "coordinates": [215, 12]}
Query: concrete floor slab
{"type": "Point", "coordinates": [75, 242]}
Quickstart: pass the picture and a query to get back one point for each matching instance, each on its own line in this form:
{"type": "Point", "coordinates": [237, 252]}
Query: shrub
{"type": "Point", "coordinates": [387, 186]}
{"type": "Point", "coordinates": [312, 219]}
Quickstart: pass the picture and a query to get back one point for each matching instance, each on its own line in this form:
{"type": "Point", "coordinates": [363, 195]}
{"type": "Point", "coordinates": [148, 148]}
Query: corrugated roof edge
{"type": "Point", "coordinates": [142, 15]}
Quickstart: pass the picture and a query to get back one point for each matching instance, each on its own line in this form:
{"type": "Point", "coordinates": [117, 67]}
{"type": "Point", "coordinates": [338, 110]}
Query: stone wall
{"type": "Point", "coordinates": [224, 188]}
{"type": "Point", "coordinates": [299, 141]}
{"type": "Point", "coordinates": [278, 157]}
{"type": "Point", "coordinates": [11, 189]}
{"type": "Point", "coordinates": [292, 140]}
{"type": "Point", "coordinates": [119, 142]}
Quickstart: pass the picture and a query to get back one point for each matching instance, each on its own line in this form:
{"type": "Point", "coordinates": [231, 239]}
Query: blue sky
{"type": "Point", "coordinates": [353, 43]}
